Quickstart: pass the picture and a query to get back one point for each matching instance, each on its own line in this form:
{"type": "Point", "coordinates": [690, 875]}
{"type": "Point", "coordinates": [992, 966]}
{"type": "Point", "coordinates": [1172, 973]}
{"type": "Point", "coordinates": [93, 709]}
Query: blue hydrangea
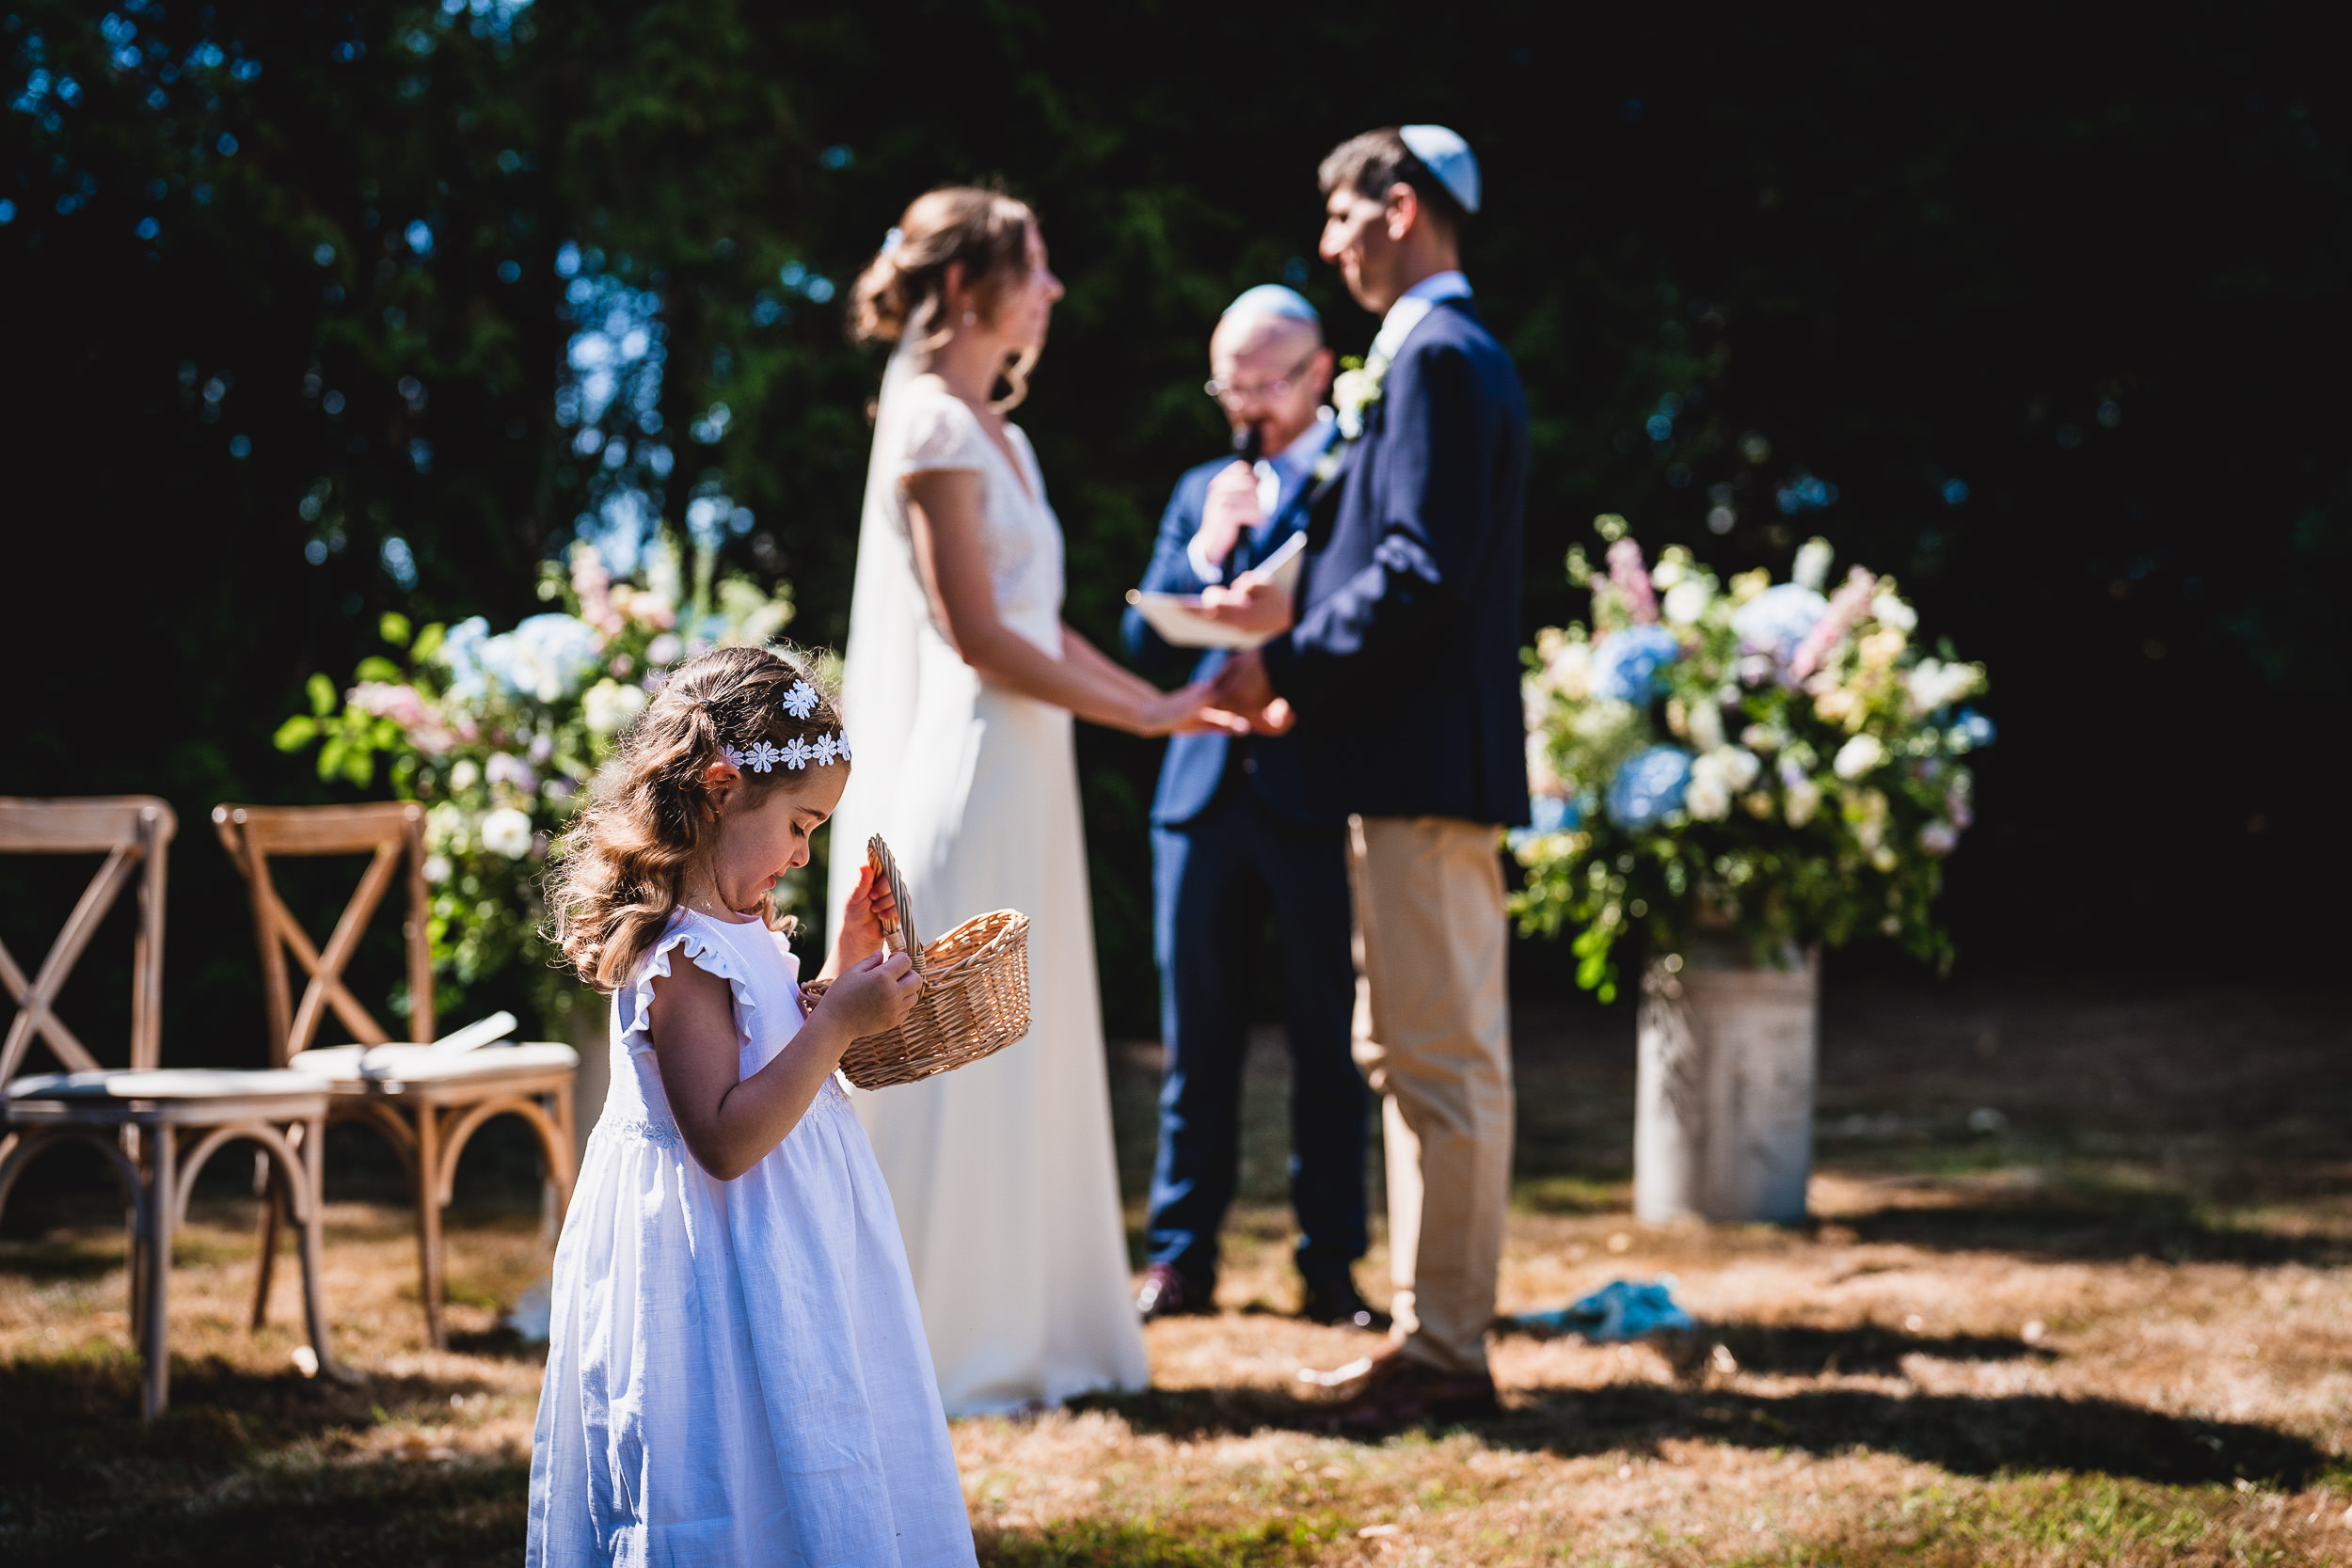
{"type": "Point", "coordinates": [1648, 786]}
{"type": "Point", "coordinates": [1776, 620]}
{"type": "Point", "coordinates": [461, 651]}
{"type": "Point", "coordinates": [1552, 814]}
{"type": "Point", "coordinates": [1630, 666]}
{"type": "Point", "coordinates": [545, 658]}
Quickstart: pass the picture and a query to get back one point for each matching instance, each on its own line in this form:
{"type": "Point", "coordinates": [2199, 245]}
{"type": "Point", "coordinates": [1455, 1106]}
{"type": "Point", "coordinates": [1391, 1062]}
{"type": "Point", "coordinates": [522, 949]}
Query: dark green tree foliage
{"type": "Point", "coordinates": [2058, 329]}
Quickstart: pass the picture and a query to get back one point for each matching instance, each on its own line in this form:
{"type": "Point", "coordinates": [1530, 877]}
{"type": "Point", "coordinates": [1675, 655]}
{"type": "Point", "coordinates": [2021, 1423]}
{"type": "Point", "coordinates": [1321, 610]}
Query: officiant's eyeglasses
{"type": "Point", "coordinates": [1232, 392]}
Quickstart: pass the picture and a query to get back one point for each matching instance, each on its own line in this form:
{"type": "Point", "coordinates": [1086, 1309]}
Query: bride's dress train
{"type": "Point", "coordinates": [1002, 1171]}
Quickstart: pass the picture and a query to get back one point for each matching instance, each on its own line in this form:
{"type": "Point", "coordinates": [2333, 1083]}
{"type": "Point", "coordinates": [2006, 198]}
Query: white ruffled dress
{"type": "Point", "coordinates": [736, 1371]}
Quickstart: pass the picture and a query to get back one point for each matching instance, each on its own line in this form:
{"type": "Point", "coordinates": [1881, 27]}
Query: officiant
{"type": "Point", "coordinates": [1233, 840]}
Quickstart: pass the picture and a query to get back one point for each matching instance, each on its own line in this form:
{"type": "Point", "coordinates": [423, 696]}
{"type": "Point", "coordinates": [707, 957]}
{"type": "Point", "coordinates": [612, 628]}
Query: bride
{"type": "Point", "coordinates": [960, 683]}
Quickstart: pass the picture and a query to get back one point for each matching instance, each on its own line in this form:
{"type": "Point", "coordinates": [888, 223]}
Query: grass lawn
{"type": "Point", "coordinates": [2077, 1292]}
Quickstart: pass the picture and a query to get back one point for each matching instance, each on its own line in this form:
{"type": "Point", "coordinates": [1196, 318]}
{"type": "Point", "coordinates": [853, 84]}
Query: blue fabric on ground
{"type": "Point", "coordinates": [1621, 1309]}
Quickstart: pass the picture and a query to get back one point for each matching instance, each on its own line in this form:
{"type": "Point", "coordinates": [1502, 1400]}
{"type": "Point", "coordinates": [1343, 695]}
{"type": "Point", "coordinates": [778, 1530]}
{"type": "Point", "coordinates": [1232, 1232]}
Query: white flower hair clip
{"type": "Point", "coordinates": [801, 701]}
{"type": "Point", "coordinates": [760, 756]}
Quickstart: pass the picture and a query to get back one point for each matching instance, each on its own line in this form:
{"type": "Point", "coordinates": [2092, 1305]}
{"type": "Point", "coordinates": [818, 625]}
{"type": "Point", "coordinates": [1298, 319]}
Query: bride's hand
{"type": "Point", "coordinates": [1165, 713]}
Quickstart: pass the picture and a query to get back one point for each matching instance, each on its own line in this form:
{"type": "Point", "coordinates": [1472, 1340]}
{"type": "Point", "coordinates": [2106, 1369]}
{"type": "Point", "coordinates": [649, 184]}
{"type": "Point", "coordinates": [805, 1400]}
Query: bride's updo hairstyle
{"type": "Point", "coordinates": [621, 868]}
{"type": "Point", "coordinates": [988, 232]}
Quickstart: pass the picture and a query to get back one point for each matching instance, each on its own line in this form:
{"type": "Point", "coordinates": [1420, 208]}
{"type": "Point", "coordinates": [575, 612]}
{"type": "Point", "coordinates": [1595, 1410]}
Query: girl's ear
{"type": "Point", "coordinates": [721, 780]}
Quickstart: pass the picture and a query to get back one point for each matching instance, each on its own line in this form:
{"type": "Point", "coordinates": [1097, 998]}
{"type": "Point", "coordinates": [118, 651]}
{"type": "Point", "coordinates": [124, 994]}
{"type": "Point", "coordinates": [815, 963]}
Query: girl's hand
{"type": "Point", "coordinates": [870, 996]}
{"type": "Point", "coordinates": [870, 907]}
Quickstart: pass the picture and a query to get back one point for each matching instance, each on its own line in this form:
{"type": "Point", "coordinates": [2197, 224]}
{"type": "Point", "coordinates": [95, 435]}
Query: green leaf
{"type": "Point", "coordinates": [332, 756]}
{"type": "Point", "coordinates": [296, 733]}
{"type": "Point", "coordinates": [375, 667]}
{"type": "Point", "coordinates": [359, 767]}
{"type": "Point", "coordinates": [394, 628]}
{"type": "Point", "coordinates": [321, 693]}
{"type": "Point", "coordinates": [428, 642]}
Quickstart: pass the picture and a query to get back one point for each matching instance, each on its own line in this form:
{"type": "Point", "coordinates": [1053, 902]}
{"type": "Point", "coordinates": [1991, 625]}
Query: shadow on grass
{"type": "Point", "coordinates": [1115, 1545]}
{"type": "Point", "coordinates": [2094, 1226]}
{"type": "Point", "coordinates": [69, 1425]}
{"type": "Point", "coordinates": [1965, 1434]}
{"type": "Point", "coordinates": [1798, 1350]}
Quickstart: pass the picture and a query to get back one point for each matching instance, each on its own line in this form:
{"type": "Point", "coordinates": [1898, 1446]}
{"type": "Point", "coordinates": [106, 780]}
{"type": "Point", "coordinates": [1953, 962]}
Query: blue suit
{"type": "Point", "coordinates": [1403, 667]}
{"type": "Point", "coordinates": [1233, 837]}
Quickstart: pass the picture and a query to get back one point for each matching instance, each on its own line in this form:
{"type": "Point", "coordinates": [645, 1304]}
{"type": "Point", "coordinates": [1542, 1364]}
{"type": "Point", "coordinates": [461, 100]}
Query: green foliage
{"type": "Point", "coordinates": [500, 735]}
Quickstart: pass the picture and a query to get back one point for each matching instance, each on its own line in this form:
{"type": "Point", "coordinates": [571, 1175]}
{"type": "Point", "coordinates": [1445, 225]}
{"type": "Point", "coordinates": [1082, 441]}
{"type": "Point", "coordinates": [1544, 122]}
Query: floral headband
{"type": "Point", "coordinates": [761, 755]}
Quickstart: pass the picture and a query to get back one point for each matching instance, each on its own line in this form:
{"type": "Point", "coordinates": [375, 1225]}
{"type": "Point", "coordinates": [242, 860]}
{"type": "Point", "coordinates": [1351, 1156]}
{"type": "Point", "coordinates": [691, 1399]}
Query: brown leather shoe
{"type": "Point", "coordinates": [1164, 1293]}
{"type": "Point", "coordinates": [1389, 1389]}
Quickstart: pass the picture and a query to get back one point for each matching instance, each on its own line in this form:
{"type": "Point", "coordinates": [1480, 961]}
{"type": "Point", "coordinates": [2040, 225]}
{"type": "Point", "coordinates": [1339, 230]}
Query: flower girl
{"type": "Point", "coordinates": [736, 1370]}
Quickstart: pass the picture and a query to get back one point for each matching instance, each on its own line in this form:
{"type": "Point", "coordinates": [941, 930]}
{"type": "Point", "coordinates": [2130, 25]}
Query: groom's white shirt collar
{"type": "Point", "coordinates": [1412, 306]}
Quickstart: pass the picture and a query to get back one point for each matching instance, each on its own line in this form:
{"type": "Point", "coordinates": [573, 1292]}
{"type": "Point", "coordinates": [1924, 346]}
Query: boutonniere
{"type": "Point", "coordinates": [1354, 391]}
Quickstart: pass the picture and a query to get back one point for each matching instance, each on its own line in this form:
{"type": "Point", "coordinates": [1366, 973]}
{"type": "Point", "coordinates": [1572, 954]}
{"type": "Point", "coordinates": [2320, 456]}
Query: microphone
{"type": "Point", "coordinates": [1250, 443]}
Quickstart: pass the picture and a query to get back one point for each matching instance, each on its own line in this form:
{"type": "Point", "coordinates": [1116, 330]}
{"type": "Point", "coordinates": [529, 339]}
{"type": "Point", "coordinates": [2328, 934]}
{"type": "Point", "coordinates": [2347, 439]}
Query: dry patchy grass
{"type": "Point", "coordinates": [2110, 1325]}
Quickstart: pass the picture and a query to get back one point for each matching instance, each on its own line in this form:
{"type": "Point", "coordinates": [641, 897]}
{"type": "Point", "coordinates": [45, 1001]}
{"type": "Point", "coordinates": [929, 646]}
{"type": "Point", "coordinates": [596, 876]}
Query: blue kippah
{"type": "Point", "coordinates": [1271, 299]}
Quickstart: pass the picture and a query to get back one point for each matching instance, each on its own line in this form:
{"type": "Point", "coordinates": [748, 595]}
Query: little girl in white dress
{"type": "Point", "coordinates": [736, 1371]}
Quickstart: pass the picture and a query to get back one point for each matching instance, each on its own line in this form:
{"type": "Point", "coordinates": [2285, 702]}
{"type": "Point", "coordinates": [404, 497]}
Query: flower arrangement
{"type": "Point", "coordinates": [497, 732]}
{"type": "Point", "coordinates": [1746, 756]}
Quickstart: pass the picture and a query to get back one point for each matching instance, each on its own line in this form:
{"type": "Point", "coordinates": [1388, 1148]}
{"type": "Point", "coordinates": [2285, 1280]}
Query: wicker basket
{"type": "Point", "coordinates": [973, 1002]}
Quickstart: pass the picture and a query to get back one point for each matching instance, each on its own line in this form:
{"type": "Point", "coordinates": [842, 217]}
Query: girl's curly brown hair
{"type": "Point", "coordinates": [621, 866]}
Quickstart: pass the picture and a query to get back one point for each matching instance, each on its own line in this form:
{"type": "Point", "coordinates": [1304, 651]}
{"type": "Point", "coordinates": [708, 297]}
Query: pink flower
{"type": "Point", "coordinates": [1632, 579]}
{"type": "Point", "coordinates": [405, 706]}
{"type": "Point", "coordinates": [1846, 608]}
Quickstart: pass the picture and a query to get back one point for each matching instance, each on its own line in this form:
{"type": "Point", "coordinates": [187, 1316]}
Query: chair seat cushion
{"type": "Point", "coordinates": [165, 1084]}
{"type": "Point", "coordinates": [348, 1064]}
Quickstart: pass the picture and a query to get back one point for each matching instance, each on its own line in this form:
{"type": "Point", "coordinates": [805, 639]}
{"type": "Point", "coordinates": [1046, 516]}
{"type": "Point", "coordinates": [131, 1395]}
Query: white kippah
{"type": "Point", "coordinates": [1448, 157]}
{"type": "Point", "coordinates": [1271, 299]}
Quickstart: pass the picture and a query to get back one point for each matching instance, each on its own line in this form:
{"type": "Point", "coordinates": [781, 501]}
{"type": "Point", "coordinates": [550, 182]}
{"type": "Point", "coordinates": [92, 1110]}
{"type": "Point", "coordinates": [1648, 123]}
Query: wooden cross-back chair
{"type": "Point", "coordinates": [137, 1115]}
{"type": "Point", "coordinates": [426, 1099]}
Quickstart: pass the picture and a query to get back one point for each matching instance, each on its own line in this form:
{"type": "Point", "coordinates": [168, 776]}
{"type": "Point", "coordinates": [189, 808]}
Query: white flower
{"type": "Point", "coordinates": [609, 705]}
{"type": "Point", "coordinates": [1811, 567]}
{"type": "Point", "coordinates": [795, 754]}
{"type": "Point", "coordinates": [465, 775]}
{"type": "Point", "coordinates": [1716, 776]}
{"type": "Point", "coordinates": [841, 743]}
{"type": "Point", "coordinates": [827, 750]}
{"type": "Point", "coordinates": [761, 756]}
{"type": "Point", "coordinates": [1706, 799]}
{"type": "Point", "coordinates": [1352, 392]}
{"type": "Point", "coordinates": [506, 831]}
{"type": "Point", "coordinates": [1542, 778]}
{"type": "Point", "coordinates": [1858, 756]}
{"type": "Point", "coordinates": [437, 869]}
{"type": "Point", "coordinates": [1570, 670]}
{"type": "Point", "coordinates": [1706, 725]}
{"type": "Point", "coordinates": [1932, 684]}
{"type": "Point", "coordinates": [1804, 798]}
{"type": "Point", "coordinates": [1889, 610]}
{"type": "Point", "coordinates": [665, 649]}
{"type": "Point", "coordinates": [1687, 600]}
{"type": "Point", "coordinates": [801, 701]}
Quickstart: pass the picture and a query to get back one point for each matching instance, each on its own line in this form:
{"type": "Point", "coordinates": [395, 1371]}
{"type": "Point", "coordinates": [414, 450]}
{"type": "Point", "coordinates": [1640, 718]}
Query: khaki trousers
{"type": "Point", "coordinates": [1433, 1036]}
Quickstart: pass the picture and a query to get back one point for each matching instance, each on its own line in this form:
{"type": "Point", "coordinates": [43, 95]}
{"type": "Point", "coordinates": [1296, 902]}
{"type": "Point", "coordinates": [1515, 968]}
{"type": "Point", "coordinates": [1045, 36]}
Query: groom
{"type": "Point", "coordinates": [1402, 676]}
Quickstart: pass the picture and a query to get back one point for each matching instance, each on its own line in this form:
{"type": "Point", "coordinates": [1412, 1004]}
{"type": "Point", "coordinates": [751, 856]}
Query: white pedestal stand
{"type": "Point", "coordinates": [1724, 1099]}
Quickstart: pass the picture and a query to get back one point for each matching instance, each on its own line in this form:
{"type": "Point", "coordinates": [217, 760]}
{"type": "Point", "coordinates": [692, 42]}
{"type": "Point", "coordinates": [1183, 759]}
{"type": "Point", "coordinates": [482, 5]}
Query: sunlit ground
{"type": "Point", "coordinates": [2078, 1293]}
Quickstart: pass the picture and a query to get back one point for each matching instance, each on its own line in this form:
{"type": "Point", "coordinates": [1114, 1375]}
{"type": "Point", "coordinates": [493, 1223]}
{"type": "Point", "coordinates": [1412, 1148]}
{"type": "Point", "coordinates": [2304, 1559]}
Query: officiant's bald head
{"type": "Point", "coordinates": [1267, 365]}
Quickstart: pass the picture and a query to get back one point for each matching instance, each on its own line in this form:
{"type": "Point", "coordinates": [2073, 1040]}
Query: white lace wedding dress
{"type": "Point", "coordinates": [1002, 1171]}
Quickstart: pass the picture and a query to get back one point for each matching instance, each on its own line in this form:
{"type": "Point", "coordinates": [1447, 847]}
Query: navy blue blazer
{"type": "Point", "coordinates": [1196, 764]}
{"type": "Point", "coordinates": [1403, 667]}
